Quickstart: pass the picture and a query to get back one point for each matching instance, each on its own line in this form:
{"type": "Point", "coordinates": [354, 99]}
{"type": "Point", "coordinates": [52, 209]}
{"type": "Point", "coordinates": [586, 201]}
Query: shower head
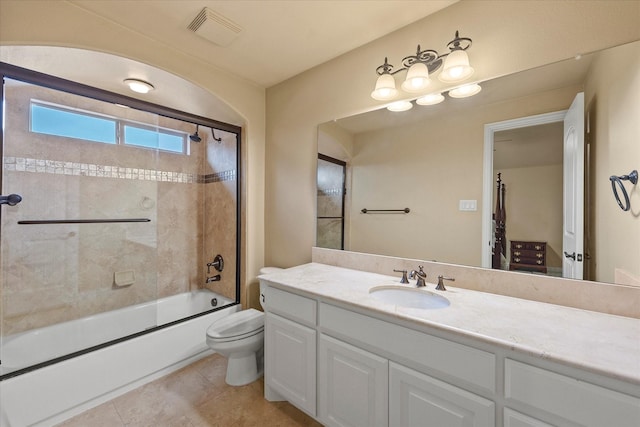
{"type": "Point", "coordinates": [195, 137]}
{"type": "Point", "coordinates": [218, 140]}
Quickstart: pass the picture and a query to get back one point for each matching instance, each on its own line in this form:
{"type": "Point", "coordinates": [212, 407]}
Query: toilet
{"type": "Point", "coordinates": [240, 338]}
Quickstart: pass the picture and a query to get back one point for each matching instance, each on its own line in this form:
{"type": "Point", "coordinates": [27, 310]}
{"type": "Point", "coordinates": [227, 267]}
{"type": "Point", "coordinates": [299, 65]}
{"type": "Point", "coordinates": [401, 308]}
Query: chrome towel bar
{"type": "Point", "coordinates": [405, 210]}
{"type": "Point", "coordinates": [82, 221]}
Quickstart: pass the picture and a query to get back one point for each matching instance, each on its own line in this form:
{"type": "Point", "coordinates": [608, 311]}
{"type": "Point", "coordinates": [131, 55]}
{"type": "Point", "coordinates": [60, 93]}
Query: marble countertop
{"type": "Point", "coordinates": [600, 343]}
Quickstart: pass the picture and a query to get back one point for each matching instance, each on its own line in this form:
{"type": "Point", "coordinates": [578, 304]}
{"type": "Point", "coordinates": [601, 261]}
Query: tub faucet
{"type": "Point", "coordinates": [420, 275]}
{"type": "Point", "coordinates": [215, 278]}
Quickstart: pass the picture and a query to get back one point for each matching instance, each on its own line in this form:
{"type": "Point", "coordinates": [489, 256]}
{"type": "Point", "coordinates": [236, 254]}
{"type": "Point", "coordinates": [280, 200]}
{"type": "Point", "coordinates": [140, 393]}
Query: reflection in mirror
{"type": "Point", "coordinates": [330, 206]}
{"type": "Point", "coordinates": [430, 159]}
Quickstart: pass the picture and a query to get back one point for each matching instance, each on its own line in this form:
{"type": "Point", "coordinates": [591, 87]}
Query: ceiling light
{"type": "Point", "coordinates": [431, 99]}
{"type": "Point", "coordinates": [456, 68]}
{"type": "Point", "coordinates": [139, 86]}
{"type": "Point", "coordinates": [400, 106]}
{"type": "Point", "coordinates": [465, 91]}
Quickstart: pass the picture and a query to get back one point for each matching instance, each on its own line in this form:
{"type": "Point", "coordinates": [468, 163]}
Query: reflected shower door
{"type": "Point", "coordinates": [330, 204]}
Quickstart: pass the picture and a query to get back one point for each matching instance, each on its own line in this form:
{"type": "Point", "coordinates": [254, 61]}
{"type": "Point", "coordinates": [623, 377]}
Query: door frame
{"type": "Point", "coordinates": [487, 170]}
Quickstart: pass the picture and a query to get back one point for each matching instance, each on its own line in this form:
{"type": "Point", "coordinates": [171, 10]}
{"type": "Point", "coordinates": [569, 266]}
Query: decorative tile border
{"type": "Point", "coordinates": [229, 175]}
{"type": "Point", "coordinates": [22, 164]}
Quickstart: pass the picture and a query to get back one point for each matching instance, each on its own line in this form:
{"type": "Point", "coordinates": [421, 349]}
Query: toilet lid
{"type": "Point", "coordinates": [237, 325]}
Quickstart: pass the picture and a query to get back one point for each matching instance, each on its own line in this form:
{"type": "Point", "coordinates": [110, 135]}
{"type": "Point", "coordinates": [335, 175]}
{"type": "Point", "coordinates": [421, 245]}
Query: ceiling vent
{"type": "Point", "coordinates": [215, 27]}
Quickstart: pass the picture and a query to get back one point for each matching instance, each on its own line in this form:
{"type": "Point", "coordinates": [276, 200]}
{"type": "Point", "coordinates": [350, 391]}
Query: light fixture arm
{"type": "Point", "coordinates": [431, 58]}
{"type": "Point", "coordinates": [386, 68]}
{"type": "Point", "coordinates": [459, 43]}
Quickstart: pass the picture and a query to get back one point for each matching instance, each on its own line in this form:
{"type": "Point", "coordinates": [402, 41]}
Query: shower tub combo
{"type": "Point", "coordinates": [53, 393]}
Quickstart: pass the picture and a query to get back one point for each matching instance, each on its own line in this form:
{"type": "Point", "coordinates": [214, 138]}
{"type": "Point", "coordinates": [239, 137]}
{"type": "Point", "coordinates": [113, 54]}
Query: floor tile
{"type": "Point", "coordinates": [195, 396]}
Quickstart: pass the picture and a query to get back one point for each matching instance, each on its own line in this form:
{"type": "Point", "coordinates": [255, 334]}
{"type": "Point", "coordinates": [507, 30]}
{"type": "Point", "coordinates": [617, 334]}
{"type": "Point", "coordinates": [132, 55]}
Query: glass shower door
{"type": "Point", "coordinates": [330, 204]}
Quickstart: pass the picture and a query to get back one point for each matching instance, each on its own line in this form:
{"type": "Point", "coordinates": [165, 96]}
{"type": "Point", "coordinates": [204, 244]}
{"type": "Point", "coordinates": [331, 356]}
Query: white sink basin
{"type": "Point", "coordinates": [408, 297]}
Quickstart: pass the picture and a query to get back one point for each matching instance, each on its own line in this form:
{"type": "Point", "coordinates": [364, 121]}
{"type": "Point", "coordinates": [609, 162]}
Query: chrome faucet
{"type": "Point", "coordinates": [420, 275]}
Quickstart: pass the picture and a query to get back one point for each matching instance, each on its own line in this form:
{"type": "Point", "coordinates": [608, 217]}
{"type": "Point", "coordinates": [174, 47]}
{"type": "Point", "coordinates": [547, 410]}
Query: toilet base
{"type": "Point", "coordinates": [243, 370]}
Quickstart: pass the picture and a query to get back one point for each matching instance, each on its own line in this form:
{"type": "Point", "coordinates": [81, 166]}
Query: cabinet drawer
{"type": "Point", "coordinates": [533, 246]}
{"type": "Point", "coordinates": [521, 253]}
{"type": "Point", "coordinates": [291, 306]}
{"type": "Point", "coordinates": [575, 400]}
{"type": "Point", "coordinates": [466, 364]}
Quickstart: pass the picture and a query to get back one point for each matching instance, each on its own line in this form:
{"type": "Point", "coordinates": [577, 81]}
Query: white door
{"type": "Point", "coordinates": [573, 193]}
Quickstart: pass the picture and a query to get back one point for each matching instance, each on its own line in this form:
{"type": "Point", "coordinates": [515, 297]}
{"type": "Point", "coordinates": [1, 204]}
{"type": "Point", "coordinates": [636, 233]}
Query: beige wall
{"type": "Point", "coordinates": [612, 99]}
{"type": "Point", "coordinates": [508, 36]}
{"type": "Point", "coordinates": [59, 23]}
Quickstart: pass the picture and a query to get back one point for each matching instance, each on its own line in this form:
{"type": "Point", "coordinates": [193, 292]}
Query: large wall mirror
{"type": "Point", "coordinates": [433, 160]}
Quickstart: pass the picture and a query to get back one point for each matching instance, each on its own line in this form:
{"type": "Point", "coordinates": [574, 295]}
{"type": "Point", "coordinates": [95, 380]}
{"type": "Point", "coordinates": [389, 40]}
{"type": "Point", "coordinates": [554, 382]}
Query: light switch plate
{"type": "Point", "coordinates": [468, 205]}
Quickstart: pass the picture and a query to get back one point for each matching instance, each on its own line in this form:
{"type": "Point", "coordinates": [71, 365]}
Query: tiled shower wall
{"type": "Point", "coordinates": [54, 273]}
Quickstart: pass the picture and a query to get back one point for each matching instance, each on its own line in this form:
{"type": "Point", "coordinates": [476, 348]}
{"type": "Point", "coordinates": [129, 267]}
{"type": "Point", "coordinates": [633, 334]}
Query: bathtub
{"type": "Point", "coordinates": [53, 393]}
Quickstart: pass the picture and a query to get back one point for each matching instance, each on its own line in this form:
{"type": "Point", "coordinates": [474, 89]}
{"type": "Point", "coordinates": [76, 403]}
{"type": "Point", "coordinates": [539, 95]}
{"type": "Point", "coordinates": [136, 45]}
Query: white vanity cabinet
{"type": "Point", "coordinates": [412, 397]}
{"type": "Point", "coordinates": [367, 368]}
{"type": "Point", "coordinates": [352, 385]}
{"type": "Point", "coordinates": [290, 349]}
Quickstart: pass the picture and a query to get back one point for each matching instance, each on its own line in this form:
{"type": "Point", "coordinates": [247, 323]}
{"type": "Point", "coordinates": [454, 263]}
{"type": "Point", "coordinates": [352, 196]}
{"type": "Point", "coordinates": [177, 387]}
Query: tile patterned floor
{"type": "Point", "coordinates": [195, 396]}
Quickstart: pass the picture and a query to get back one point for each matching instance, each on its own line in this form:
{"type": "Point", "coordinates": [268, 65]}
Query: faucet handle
{"type": "Point", "coordinates": [441, 278]}
{"type": "Point", "coordinates": [404, 275]}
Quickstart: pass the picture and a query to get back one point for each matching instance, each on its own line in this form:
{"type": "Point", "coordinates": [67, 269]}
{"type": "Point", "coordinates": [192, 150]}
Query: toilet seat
{"type": "Point", "coordinates": [236, 326]}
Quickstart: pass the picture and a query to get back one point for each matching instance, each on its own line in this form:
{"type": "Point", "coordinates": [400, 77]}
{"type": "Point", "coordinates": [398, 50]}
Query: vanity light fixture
{"type": "Point", "coordinates": [465, 91]}
{"type": "Point", "coordinates": [400, 106]}
{"type": "Point", "coordinates": [419, 66]}
{"type": "Point", "coordinates": [139, 86]}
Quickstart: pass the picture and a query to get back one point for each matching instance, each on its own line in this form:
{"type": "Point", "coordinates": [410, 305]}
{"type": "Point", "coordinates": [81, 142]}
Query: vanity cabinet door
{"type": "Point", "coordinates": [352, 384]}
{"type": "Point", "coordinates": [290, 361]}
{"type": "Point", "coordinates": [416, 399]}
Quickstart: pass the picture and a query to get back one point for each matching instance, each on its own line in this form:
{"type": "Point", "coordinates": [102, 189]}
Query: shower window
{"type": "Point", "coordinates": [161, 139]}
{"type": "Point", "coordinates": [58, 120]}
{"type": "Point", "coordinates": [121, 224]}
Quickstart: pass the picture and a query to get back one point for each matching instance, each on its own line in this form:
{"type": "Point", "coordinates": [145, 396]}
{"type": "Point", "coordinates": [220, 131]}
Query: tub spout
{"type": "Point", "coordinates": [215, 278]}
